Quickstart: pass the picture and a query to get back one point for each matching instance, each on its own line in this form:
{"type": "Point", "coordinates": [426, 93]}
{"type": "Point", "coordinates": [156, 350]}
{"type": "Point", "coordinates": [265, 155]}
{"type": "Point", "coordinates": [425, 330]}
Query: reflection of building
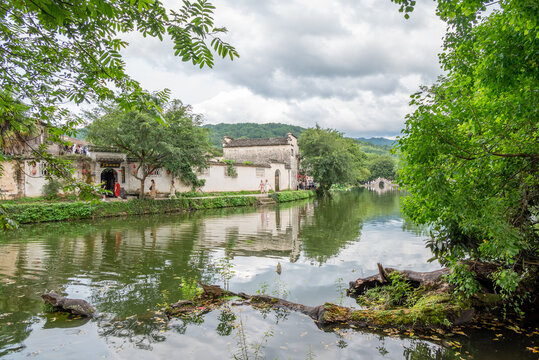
{"type": "Point", "coordinates": [253, 160]}
{"type": "Point", "coordinates": [271, 232]}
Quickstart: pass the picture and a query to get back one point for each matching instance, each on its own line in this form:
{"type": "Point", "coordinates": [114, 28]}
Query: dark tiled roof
{"type": "Point", "coordinates": [256, 142]}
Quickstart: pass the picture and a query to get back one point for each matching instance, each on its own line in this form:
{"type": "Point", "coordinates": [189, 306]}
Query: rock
{"type": "Point", "coordinates": [74, 306]}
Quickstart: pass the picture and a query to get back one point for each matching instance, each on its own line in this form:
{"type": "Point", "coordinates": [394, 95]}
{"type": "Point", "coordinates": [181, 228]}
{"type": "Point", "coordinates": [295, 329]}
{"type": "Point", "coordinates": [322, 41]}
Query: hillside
{"type": "Point", "coordinates": [250, 131]}
{"type": "Point", "coordinates": [377, 141]}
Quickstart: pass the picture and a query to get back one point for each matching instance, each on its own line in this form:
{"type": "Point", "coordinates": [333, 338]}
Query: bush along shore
{"type": "Point", "coordinates": [287, 196]}
{"type": "Point", "coordinates": [33, 212]}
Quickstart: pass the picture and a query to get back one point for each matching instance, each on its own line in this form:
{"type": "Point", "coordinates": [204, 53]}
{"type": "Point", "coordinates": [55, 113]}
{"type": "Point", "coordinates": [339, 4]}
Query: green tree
{"type": "Point", "coordinates": [470, 150]}
{"type": "Point", "coordinates": [330, 158]}
{"type": "Point", "coordinates": [180, 145]}
{"type": "Point", "coordinates": [381, 166]}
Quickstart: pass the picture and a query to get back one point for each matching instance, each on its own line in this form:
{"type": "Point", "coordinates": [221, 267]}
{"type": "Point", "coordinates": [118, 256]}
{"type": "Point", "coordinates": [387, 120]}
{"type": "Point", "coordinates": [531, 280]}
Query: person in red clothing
{"type": "Point", "coordinates": [117, 189]}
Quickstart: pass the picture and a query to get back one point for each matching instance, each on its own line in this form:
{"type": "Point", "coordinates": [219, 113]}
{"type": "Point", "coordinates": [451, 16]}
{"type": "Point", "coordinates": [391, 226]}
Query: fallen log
{"type": "Point", "coordinates": [74, 306]}
{"type": "Point", "coordinates": [435, 311]}
{"type": "Point", "coordinates": [431, 280]}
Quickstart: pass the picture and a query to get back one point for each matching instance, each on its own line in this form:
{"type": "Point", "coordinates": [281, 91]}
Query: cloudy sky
{"type": "Point", "coordinates": [349, 65]}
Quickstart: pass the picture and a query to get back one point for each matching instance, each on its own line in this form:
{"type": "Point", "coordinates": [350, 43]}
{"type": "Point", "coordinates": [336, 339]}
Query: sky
{"type": "Point", "coordinates": [349, 65]}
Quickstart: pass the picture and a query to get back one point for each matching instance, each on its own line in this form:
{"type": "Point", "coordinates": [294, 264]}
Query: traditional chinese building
{"type": "Point", "coordinates": [269, 151]}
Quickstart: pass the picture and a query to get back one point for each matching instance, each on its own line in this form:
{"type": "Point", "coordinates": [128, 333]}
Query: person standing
{"type": "Point", "coordinates": [117, 189]}
{"type": "Point", "coordinates": [262, 186]}
{"type": "Point", "coordinates": [172, 190]}
{"type": "Point", "coordinates": [153, 190]}
{"type": "Point", "coordinates": [266, 187]}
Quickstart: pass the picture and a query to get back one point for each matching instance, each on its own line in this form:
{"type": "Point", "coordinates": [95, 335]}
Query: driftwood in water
{"type": "Point", "coordinates": [432, 280]}
{"type": "Point", "coordinates": [74, 306]}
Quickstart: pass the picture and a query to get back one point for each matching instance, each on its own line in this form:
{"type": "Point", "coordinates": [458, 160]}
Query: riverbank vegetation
{"type": "Point", "coordinates": [79, 60]}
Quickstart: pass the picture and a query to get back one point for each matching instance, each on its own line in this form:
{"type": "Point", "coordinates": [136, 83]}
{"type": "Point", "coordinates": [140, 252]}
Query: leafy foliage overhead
{"type": "Point", "coordinates": [58, 51]}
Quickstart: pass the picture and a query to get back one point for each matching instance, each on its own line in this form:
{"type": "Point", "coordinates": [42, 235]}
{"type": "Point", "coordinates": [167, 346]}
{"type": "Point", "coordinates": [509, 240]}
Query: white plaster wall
{"type": "Point", "coordinates": [218, 181]}
{"type": "Point", "coordinates": [8, 181]}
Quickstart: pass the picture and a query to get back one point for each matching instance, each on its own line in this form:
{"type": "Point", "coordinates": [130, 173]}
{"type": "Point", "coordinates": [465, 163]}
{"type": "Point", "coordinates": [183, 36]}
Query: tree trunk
{"type": "Point", "coordinates": [141, 193]}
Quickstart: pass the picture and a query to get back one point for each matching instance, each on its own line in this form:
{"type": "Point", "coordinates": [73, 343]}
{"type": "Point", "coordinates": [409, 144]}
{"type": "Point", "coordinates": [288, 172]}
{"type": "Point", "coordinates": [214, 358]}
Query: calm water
{"type": "Point", "coordinates": [128, 268]}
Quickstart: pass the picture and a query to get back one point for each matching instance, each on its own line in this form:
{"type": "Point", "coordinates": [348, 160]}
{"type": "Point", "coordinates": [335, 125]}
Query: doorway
{"type": "Point", "coordinates": [277, 173]}
{"type": "Point", "coordinates": [109, 177]}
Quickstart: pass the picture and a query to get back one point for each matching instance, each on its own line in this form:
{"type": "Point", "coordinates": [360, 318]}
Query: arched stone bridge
{"type": "Point", "coordinates": [381, 184]}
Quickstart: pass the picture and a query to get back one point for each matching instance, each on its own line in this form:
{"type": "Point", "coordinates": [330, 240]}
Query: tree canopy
{"type": "Point", "coordinates": [381, 166]}
{"type": "Point", "coordinates": [58, 51]}
{"type": "Point", "coordinates": [330, 158]}
{"type": "Point", "coordinates": [470, 150]}
{"type": "Point", "coordinates": [180, 146]}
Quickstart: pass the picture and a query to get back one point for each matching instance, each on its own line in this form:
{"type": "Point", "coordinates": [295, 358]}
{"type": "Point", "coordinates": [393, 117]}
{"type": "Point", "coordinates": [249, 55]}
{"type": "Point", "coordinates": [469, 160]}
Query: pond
{"type": "Point", "coordinates": [128, 268]}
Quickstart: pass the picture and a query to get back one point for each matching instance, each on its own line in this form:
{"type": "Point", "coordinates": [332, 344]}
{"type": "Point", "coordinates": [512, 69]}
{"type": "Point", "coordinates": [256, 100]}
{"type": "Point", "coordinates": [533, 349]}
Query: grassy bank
{"type": "Point", "coordinates": [33, 212]}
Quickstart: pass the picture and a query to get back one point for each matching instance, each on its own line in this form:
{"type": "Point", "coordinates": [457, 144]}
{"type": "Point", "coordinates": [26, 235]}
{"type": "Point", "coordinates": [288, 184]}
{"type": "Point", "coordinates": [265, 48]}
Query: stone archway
{"type": "Point", "coordinates": [109, 177]}
{"type": "Point", "coordinates": [277, 176]}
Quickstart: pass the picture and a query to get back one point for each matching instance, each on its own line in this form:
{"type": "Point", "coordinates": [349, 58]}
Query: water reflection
{"type": "Point", "coordinates": [128, 268]}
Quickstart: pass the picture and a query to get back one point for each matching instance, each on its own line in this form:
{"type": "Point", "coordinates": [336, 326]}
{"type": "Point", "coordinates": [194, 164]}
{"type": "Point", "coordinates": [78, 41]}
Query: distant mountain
{"type": "Point", "coordinates": [250, 131]}
{"type": "Point", "coordinates": [378, 141]}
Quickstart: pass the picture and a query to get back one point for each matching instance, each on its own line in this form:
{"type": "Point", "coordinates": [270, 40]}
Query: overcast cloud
{"type": "Point", "coordinates": [345, 64]}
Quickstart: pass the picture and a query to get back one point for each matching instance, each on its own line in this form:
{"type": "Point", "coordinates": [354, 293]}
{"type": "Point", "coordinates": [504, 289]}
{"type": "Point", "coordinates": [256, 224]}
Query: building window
{"type": "Point", "coordinates": [156, 172]}
{"type": "Point", "coordinates": [204, 172]}
{"type": "Point", "coordinates": [292, 150]}
{"type": "Point", "coordinates": [43, 169]}
{"type": "Point", "coordinates": [260, 172]}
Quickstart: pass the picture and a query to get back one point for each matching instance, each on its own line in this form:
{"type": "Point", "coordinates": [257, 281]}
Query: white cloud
{"type": "Point", "coordinates": [344, 64]}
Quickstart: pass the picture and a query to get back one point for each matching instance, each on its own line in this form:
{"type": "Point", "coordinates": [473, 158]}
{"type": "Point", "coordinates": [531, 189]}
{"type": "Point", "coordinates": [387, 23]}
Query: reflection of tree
{"type": "Point", "coordinates": [226, 322]}
{"type": "Point", "coordinates": [12, 336]}
{"type": "Point", "coordinates": [421, 350]}
{"type": "Point", "coordinates": [338, 221]}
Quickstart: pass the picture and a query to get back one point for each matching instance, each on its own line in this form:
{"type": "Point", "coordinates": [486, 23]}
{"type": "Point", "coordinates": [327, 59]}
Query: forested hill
{"type": "Point", "coordinates": [377, 141]}
{"type": "Point", "coordinates": [250, 131]}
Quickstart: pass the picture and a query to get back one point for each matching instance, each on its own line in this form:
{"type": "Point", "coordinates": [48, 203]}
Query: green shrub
{"type": "Point", "coordinates": [286, 196]}
{"type": "Point", "coordinates": [51, 189]}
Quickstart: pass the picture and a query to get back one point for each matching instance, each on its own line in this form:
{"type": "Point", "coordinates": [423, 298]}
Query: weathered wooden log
{"type": "Point", "coordinates": [431, 279]}
{"type": "Point", "coordinates": [74, 306]}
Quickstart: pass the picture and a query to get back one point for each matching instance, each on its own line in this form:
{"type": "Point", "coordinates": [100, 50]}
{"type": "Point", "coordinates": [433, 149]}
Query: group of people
{"type": "Point", "coordinates": [306, 185]}
{"type": "Point", "coordinates": [77, 149]}
{"type": "Point", "coordinates": [264, 187]}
